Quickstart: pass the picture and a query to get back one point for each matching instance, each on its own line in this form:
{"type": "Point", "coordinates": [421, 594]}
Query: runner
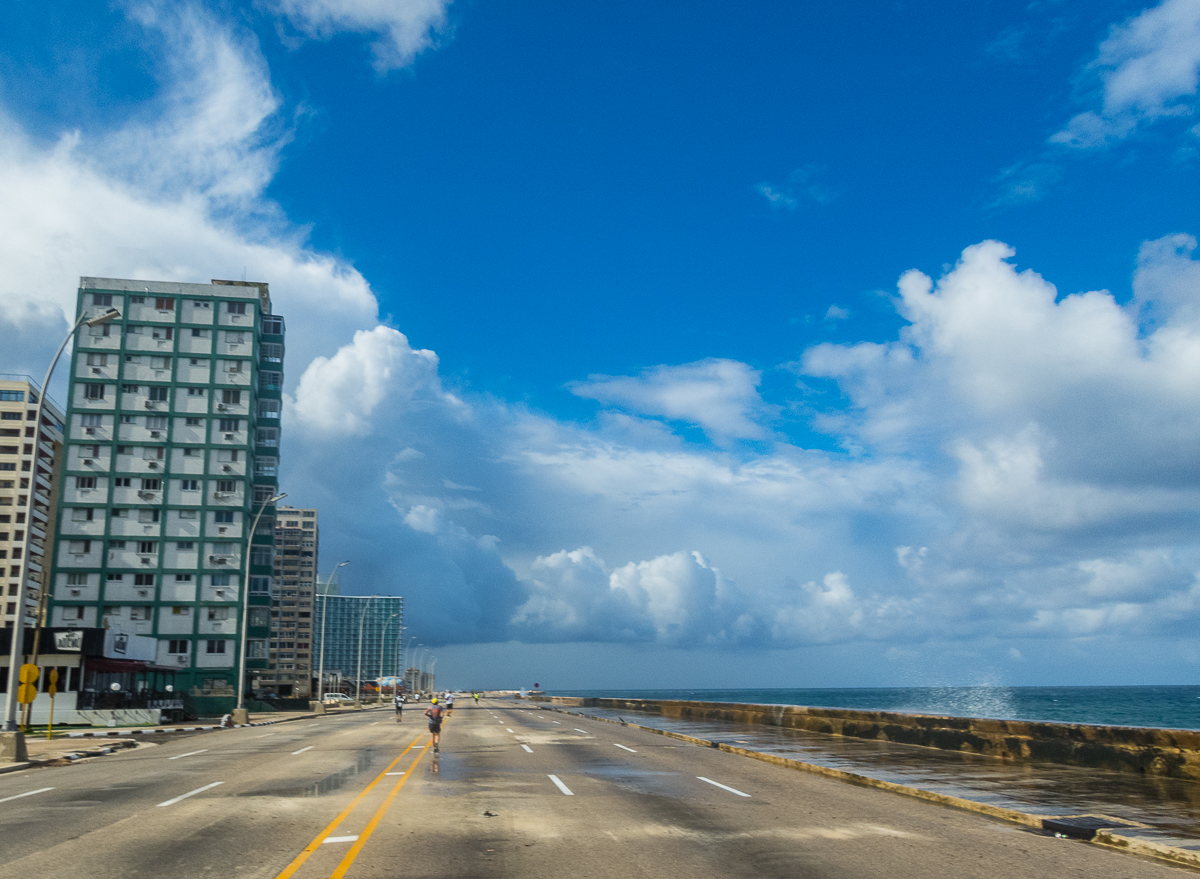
{"type": "Point", "coordinates": [476, 695]}
{"type": "Point", "coordinates": [435, 714]}
{"type": "Point", "coordinates": [398, 701]}
{"type": "Point", "coordinates": [449, 703]}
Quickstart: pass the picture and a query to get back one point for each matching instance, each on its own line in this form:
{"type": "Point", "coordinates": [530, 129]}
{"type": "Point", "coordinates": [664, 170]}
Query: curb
{"type": "Point", "coordinates": [1108, 839]}
{"type": "Point", "coordinates": [171, 729]}
{"type": "Point", "coordinates": [38, 763]}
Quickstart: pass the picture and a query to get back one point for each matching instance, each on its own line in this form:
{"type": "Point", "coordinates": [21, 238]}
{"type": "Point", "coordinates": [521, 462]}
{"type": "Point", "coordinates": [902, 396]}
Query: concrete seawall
{"type": "Point", "coordinates": [1169, 753]}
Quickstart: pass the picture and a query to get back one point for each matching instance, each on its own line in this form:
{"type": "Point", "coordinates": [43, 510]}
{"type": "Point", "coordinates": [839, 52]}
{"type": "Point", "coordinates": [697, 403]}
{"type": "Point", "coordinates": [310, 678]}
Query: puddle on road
{"type": "Point", "coordinates": [321, 786]}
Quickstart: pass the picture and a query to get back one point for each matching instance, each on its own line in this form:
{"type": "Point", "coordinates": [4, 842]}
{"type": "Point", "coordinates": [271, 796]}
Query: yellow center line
{"type": "Point", "coordinates": [316, 843]}
{"type": "Point", "coordinates": [375, 819]}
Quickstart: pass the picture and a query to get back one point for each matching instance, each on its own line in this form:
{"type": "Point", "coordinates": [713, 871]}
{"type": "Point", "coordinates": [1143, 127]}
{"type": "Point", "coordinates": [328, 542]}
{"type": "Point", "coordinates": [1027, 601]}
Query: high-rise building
{"type": "Point", "coordinates": [354, 629]}
{"type": "Point", "coordinates": [297, 544]}
{"type": "Point", "coordinates": [28, 486]}
{"type": "Point", "coordinates": [172, 450]}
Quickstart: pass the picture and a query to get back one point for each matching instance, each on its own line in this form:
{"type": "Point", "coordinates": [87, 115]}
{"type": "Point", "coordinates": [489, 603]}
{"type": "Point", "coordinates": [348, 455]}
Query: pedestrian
{"type": "Point", "coordinates": [449, 703]}
{"type": "Point", "coordinates": [227, 722]}
{"type": "Point", "coordinates": [398, 701]}
{"type": "Point", "coordinates": [435, 713]}
{"type": "Point", "coordinates": [476, 695]}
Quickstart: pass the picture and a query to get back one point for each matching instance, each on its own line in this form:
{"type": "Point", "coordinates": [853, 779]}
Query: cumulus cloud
{"type": "Point", "coordinates": [404, 28]}
{"type": "Point", "coordinates": [1147, 70]}
{"type": "Point", "coordinates": [719, 396]}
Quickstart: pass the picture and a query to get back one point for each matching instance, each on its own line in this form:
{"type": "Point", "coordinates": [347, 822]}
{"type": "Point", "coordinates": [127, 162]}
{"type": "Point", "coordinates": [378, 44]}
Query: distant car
{"type": "Point", "coordinates": [337, 698]}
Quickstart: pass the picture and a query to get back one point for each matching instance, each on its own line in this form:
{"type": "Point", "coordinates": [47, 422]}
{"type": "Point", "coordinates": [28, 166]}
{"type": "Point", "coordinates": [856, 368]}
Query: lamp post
{"type": "Point", "coordinates": [17, 651]}
{"type": "Point", "coordinates": [324, 614]}
{"type": "Point", "coordinates": [417, 661]}
{"type": "Point", "coordinates": [407, 648]}
{"type": "Point", "coordinates": [240, 714]}
{"type": "Point", "coordinates": [358, 676]}
{"type": "Point", "coordinates": [382, 643]}
{"type": "Point", "coordinates": [432, 666]}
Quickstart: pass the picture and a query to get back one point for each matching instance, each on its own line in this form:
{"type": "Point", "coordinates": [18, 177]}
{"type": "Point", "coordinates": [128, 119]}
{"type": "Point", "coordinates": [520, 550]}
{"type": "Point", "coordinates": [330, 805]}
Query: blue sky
{"type": "Point", "coordinates": [759, 344]}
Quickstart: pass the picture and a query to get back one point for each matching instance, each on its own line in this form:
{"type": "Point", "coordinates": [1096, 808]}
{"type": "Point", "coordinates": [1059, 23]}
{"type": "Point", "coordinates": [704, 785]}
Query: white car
{"type": "Point", "coordinates": [337, 698]}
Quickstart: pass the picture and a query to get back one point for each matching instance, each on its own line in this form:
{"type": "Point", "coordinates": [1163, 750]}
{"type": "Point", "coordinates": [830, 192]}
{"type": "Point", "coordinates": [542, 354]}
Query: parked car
{"type": "Point", "coordinates": [337, 698]}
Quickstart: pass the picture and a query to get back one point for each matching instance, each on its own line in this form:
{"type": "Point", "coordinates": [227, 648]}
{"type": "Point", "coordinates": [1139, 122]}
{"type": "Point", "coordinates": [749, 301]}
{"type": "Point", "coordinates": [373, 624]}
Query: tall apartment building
{"type": "Point", "coordinates": [28, 489]}
{"type": "Point", "coordinates": [297, 544]}
{"type": "Point", "coordinates": [172, 449]}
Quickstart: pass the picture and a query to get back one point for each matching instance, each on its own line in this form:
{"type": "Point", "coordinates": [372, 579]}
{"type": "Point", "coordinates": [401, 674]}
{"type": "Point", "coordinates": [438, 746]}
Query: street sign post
{"type": "Point", "coordinates": [27, 691]}
{"type": "Point", "coordinates": [52, 689]}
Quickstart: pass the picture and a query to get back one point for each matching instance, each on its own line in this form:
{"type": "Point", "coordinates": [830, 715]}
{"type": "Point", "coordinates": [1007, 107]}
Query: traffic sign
{"type": "Point", "coordinates": [26, 693]}
{"type": "Point", "coordinates": [29, 673]}
{"type": "Point", "coordinates": [52, 688]}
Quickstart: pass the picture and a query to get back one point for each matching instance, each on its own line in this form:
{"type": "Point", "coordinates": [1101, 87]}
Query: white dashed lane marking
{"type": "Point", "coordinates": [732, 790]}
{"type": "Point", "coordinates": [28, 793]}
{"type": "Point", "coordinates": [188, 754]}
{"type": "Point", "coordinates": [528, 750]}
{"type": "Point", "coordinates": [508, 729]}
{"type": "Point", "coordinates": [190, 793]}
{"type": "Point", "coordinates": [302, 750]}
{"type": "Point", "coordinates": [562, 787]}
{"type": "Point", "coordinates": [330, 839]}
{"type": "Point", "coordinates": [623, 748]}
{"type": "Point", "coordinates": [577, 729]}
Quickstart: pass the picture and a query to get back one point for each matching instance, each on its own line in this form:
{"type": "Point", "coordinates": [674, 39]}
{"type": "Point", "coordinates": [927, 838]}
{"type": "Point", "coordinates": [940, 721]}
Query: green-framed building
{"type": "Point", "coordinates": [172, 448]}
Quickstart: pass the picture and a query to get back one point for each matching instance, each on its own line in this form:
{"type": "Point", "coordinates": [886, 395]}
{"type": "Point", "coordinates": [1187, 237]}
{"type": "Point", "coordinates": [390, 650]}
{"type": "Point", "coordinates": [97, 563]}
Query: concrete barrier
{"type": "Point", "coordinates": [1171, 753]}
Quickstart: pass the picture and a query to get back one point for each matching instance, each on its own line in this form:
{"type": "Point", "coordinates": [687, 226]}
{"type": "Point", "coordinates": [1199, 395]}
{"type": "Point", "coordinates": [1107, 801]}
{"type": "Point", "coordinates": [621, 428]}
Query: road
{"type": "Point", "coordinates": [513, 792]}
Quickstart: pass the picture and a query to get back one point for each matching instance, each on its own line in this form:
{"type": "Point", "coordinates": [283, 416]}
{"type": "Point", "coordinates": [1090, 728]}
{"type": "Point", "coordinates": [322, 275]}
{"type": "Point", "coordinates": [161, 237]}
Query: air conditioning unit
{"type": "Point", "coordinates": [149, 404]}
{"type": "Point", "coordinates": [217, 495]}
{"type": "Point", "coordinates": [221, 407]}
{"type": "Point", "coordinates": [222, 529]}
{"type": "Point", "coordinates": [146, 560]}
{"type": "Point", "coordinates": [142, 593]}
{"type": "Point", "coordinates": [227, 469]}
{"type": "Point", "coordinates": [156, 434]}
{"type": "Point", "coordinates": [90, 431]}
{"type": "Point", "coordinates": [87, 462]}
{"type": "Point", "coordinates": [75, 593]}
{"type": "Point", "coordinates": [95, 370]}
{"type": "Point", "coordinates": [146, 495]}
{"type": "Point", "coordinates": [218, 560]}
{"type": "Point", "coordinates": [229, 436]}
{"type": "Point", "coordinates": [182, 660]}
{"type": "Point", "coordinates": [153, 465]}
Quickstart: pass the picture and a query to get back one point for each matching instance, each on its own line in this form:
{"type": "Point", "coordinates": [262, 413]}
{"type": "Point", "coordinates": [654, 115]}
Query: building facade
{"type": "Point", "coordinates": [172, 449]}
{"type": "Point", "coordinates": [29, 474]}
{"type": "Point", "coordinates": [379, 618]}
{"type": "Point", "coordinates": [297, 547]}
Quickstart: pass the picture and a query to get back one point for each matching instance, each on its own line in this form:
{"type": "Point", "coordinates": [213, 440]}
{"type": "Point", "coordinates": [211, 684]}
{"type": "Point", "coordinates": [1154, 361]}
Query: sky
{"type": "Point", "coordinates": [663, 344]}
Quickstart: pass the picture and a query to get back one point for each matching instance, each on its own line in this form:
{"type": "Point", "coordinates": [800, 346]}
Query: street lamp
{"type": "Point", "coordinates": [358, 682]}
{"type": "Point", "coordinates": [432, 666]}
{"type": "Point", "coordinates": [382, 643]}
{"type": "Point", "coordinates": [324, 614]}
{"type": "Point", "coordinates": [240, 714]}
{"type": "Point", "coordinates": [17, 651]}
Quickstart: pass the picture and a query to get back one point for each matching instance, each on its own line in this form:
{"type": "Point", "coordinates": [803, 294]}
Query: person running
{"type": "Point", "coordinates": [476, 695]}
{"type": "Point", "coordinates": [398, 701]}
{"type": "Point", "coordinates": [449, 703]}
{"type": "Point", "coordinates": [435, 713]}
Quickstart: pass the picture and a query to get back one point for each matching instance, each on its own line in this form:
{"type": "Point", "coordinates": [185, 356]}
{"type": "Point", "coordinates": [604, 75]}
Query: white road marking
{"type": "Point", "coordinates": [198, 790]}
{"type": "Point", "coordinates": [330, 839]}
{"type": "Point", "coordinates": [562, 787]}
{"type": "Point", "coordinates": [264, 735]}
{"type": "Point", "coordinates": [623, 748]}
{"type": "Point", "coordinates": [577, 729]}
{"type": "Point", "coordinates": [302, 750]}
{"type": "Point", "coordinates": [188, 754]}
{"type": "Point", "coordinates": [508, 729]}
{"type": "Point", "coordinates": [528, 749]}
{"type": "Point", "coordinates": [393, 773]}
{"type": "Point", "coordinates": [556, 721]}
{"type": "Point", "coordinates": [732, 790]}
{"type": "Point", "coordinates": [28, 793]}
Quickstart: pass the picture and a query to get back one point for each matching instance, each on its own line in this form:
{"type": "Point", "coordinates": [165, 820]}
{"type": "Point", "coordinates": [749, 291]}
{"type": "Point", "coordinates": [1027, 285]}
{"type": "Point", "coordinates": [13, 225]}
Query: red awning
{"type": "Point", "coordinates": [116, 665]}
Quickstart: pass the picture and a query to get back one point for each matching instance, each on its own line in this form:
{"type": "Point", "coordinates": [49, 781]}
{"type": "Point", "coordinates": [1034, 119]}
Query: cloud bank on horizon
{"type": "Point", "coordinates": [1014, 463]}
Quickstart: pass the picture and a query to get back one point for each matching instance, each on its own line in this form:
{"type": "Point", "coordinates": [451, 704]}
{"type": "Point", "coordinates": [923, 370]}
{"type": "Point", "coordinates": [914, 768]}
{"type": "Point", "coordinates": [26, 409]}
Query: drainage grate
{"type": "Point", "coordinates": [1082, 826]}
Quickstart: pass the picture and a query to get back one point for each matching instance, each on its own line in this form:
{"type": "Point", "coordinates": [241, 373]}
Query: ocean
{"type": "Point", "coordinates": [1167, 707]}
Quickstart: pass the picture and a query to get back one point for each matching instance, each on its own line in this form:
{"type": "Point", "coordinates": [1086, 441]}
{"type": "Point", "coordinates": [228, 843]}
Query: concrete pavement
{"type": "Point", "coordinates": [514, 791]}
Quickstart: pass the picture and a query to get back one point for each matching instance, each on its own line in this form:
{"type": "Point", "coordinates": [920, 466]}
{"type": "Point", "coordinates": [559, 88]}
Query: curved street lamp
{"type": "Point", "coordinates": [324, 614]}
{"type": "Point", "coordinates": [17, 651]}
{"type": "Point", "coordinates": [240, 713]}
{"type": "Point", "coordinates": [382, 644]}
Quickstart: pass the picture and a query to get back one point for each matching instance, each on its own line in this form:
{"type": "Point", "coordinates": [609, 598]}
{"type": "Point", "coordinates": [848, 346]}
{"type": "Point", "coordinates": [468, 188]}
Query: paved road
{"type": "Point", "coordinates": [514, 792]}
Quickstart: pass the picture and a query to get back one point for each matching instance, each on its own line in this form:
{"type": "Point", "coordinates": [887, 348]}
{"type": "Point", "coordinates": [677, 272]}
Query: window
{"type": "Point", "coordinates": [77, 579]}
{"type": "Point", "coordinates": [214, 646]}
{"type": "Point", "coordinates": [160, 362]}
{"type": "Point", "coordinates": [8, 465]}
{"type": "Point", "coordinates": [82, 514]}
{"type": "Point", "coordinates": [159, 393]}
{"type": "Point", "coordinates": [139, 613]}
{"type": "Point", "coordinates": [229, 425]}
{"type": "Point", "coordinates": [230, 455]}
{"type": "Point", "coordinates": [133, 329]}
{"type": "Point", "coordinates": [177, 648]}
{"type": "Point", "coordinates": [260, 585]}
{"type": "Point", "coordinates": [270, 381]}
{"type": "Point", "coordinates": [189, 485]}
{"type": "Point", "coordinates": [162, 304]}
{"type": "Point", "coordinates": [13, 396]}
{"type": "Point", "coordinates": [116, 544]}
{"type": "Point", "coordinates": [163, 333]}
{"type": "Point", "coordinates": [268, 408]}
{"type": "Point", "coordinates": [156, 422]}
{"type": "Point", "coordinates": [309, 525]}
{"type": "Point", "coordinates": [102, 330]}
{"type": "Point", "coordinates": [227, 486]}
{"type": "Point", "coordinates": [235, 307]}
{"type": "Point", "coordinates": [272, 325]}
{"type": "Point", "coordinates": [104, 299]}
{"type": "Point", "coordinates": [85, 482]}
{"type": "Point", "coordinates": [191, 453]}
{"type": "Point", "coordinates": [148, 517]}
{"type": "Point", "coordinates": [153, 453]}
{"type": "Point", "coordinates": [120, 513]}
{"type": "Point", "coordinates": [147, 547]}
{"type": "Point", "coordinates": [180, 611]}
{"type": "Point", "coordinates": [262, 555]}
{"type": "Point", "coordinates": [129, 389]}
{"type": "Point", "coordinates": [235, 338]}
{"type": "Point", "coordinates": [266, 466]}
{"type": "Point", "coordinates": [137, 300]}
{"type": "Point", "coordinates": [184, 546]}
{"type": "Point", "coordinates": [72, 613]}
{"type": "Point", "coordinates": [81, 547]}
{"type": "Point", "coordinates": [93, 392]}
{"type": "Point", "coordinates": [143, 579]}
{"type": "Point", "coordinates": [272, 352]}
{"type": "Point", "coordinates": [200, 303]}
{"type": "Point", "coordinates": [195, 392]}
{"type": "Point", "coordinates": [221, 517]}
{"type": "Point", "coordinates": [124, 450]}
{"type": "Point", "coordinates": [89, 451]}
{"type": "Point", "coordinates": [199, 334]}
{"type": "Point", "coordinates": [85, 420]}
{"type": "Point", "coordinates": [193, 422]}
{"type": "Point", "coordinates": [127, 419]}
{"type": "Point", "coordinates": [230, 398]}
{"type": "Point", "coordinates": [219, 579]}
{"type": "Point", "coordinates": [97, 360]}
{"type": "Point", "coordinates": [267, 436]}
{"type": "Point", "coordinates": [16, 416]}
{"type": "Point", "coordinates": [188, 514]}
{"type": "Point", "coordinates": [183, 578]}
{"type": "Point", "coordinates": [122, 482]}
{"type": "Point", "coordinates": [233, 365]}
{"type": "Point", "coordinates": [151, 485]}
{"type": "Point", "coordinates": [115, 578]}
{"type": "Point", "coordinates": [222, 549]}
{"type": "Point", "coordinates": [133, 358]}
{"type": "Point", "coordinates": [218, 614]}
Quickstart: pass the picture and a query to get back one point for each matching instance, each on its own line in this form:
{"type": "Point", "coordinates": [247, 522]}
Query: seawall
{"type": "Point", "coordinates": [1169, 753]}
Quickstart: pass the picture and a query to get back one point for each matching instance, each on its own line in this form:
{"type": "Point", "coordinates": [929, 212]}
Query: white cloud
{"type": "Point", "coordinates": [720, 396]}
{"type": "Point", "coordinates": [803, 184]}
{"type": "Point", "coordinates": [405, 28]}
{"type": "Point", "coordinates": [1147, 69]}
